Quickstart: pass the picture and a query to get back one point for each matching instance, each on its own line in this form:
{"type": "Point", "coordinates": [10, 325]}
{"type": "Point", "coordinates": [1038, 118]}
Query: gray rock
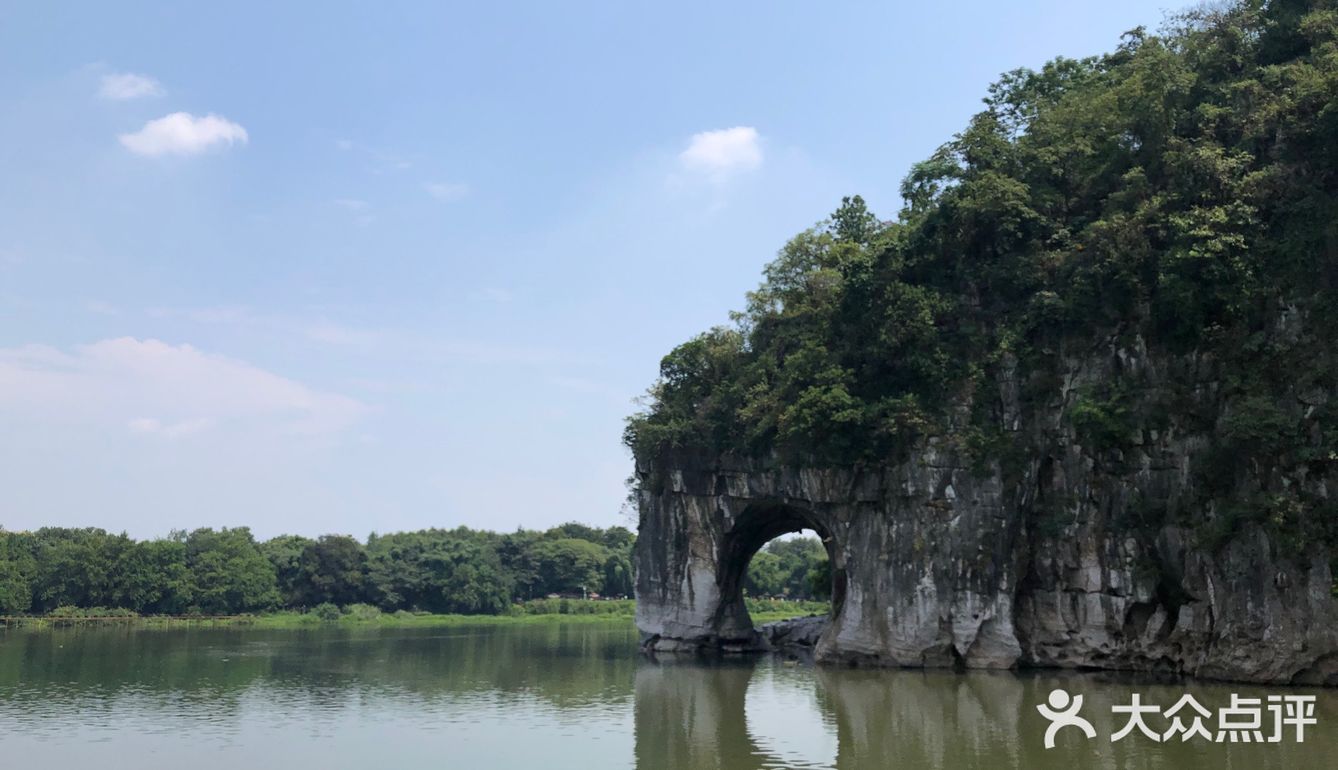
{"type": "Point", "coordinates": [802, 633]}
{"type": "Point", "coordinates": [943, 560]}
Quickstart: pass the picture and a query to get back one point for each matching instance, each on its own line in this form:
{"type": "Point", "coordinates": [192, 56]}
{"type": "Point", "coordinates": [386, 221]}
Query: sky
{"type": "Point", "coordinates": [355, 267]}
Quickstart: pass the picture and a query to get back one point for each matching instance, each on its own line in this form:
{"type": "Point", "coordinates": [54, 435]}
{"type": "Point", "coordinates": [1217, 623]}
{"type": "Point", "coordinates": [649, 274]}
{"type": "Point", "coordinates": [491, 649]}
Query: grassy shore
{"type": "Point", "coordinates": [543, 611]}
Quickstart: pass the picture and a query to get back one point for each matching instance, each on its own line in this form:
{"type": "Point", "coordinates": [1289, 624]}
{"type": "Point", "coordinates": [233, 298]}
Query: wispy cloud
{"type": "Point", "coordinates": [156, 427]}
{"type": "Point", "coordinates": [723, 153]}
{"type": "Point", "coordinates": [124, 86]}
{"type": "Point", "coordinates": [403, 345]}
{"type": "Point", "coordinates": [381, 161]}
{"type": "Point", "coordinates": [446, 192]}
{"type": "Point", "coordinates": [183, 134]}
{"type": "Point", "coordinates": [337, 334]}
{"type": "Point", "coordinates": [153, 387]}
{"type": "Point", "coordinates": [240, 316]}
{"type": "Point", "coordinates": [360, 209]}
{"type": "Point", "coordinates": [217, 314]}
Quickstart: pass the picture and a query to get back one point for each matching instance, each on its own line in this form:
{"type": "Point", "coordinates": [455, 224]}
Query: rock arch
{"type": "Point", "coordinates": [903, 595]}
{"type": "Point", "coordinates": [949, 563]}
{"type": "Point", "coordinates": [758, 524]}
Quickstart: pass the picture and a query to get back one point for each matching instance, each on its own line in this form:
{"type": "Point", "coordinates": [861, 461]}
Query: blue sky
{"type": "Point", "coordinates": [382, 266]}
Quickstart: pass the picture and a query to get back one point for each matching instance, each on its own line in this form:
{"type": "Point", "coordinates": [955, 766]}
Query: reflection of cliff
{"type": "Point", "coordinates": [583, 683]}
{"type": "Point", "coordinates": [742, 716]}
{"type": "Point", "coordinates": [692, 716]}
{"type": "Point", "coordinates": [925, 719]}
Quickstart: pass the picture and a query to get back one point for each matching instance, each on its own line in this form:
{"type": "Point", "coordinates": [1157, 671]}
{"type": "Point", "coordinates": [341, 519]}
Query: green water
{"type": "Point", "coordinates": [551, 696]}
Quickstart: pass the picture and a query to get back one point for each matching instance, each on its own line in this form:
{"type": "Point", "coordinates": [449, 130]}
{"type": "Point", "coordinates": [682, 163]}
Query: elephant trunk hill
{"type": "Point", "coordinates": [1075, 406]}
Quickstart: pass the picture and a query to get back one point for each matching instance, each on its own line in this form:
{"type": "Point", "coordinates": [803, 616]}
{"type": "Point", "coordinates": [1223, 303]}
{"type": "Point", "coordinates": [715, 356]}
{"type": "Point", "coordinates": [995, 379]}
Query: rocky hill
{"type": "Point", "coordinates": [1074, 406]}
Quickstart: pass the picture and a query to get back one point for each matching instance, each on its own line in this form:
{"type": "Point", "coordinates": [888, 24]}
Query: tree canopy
{"type": "Point", "coordinates": [227, 571]}
{"type": "Point", "coordinates": [1179, 191]}
{"type": "Point", "coordinates": [793, 568]}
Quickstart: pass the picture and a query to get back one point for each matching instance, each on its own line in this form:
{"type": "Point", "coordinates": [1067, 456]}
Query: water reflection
{"type": "Point", "coordinates": [482, 697]}
{"type": "Point", "coordinates": [769, 713]}
{"type": "Point", "coordinates": [552, 696]}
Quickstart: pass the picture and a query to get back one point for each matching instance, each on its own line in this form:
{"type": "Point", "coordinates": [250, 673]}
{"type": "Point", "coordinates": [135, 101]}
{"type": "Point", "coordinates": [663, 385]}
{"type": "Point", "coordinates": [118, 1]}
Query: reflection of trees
{"type": "Point", "coordinates": [687, 713]}
{"type": "Point", "coordinates": [566, 666]}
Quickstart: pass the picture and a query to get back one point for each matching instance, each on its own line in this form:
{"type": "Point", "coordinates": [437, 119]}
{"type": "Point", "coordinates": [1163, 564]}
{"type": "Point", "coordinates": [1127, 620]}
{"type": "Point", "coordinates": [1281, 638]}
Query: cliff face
{"type": "Point", "coordinates": [1048, 559]}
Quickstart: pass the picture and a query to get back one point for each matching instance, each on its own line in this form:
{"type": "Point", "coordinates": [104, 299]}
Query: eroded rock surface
{"type": "Point", "coordinates": [947, 560]}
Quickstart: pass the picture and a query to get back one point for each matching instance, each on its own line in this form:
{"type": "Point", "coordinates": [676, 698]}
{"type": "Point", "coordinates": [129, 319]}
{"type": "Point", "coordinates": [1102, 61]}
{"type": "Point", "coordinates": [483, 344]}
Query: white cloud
{"type": "Point", "coordinates": [128, 85]}
{"type": "Point", "coordinates": [183, 134]}
{"type": "Point", "coordinates": [720, 154]}
{"type": "Point", "coordinates": [154, 426]}
{"type": "Point", "coordinates": [155, 388]}
{"type": "Point", "coordinates": [446, 191]}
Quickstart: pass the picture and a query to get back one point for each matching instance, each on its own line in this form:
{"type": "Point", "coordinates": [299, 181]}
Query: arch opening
{"type": "Point", "coordinates": [811, 567]}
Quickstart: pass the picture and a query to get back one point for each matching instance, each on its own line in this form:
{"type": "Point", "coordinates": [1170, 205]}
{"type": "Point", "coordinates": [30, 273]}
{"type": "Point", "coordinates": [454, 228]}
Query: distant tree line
{"type": "Point", "coordinates": [227, 571]}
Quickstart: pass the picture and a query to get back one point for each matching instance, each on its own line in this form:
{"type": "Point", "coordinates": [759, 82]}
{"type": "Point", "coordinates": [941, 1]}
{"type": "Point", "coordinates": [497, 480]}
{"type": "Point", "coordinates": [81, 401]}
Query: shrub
{"type": "Point", "coordinates": [326, 612]}
{"type": "Point", "coordinates": [1103, 421]}
{"type": "Point", "coordinates": [363, 613]}
{"type": "Point", "coordinates": [574, 607]}
{"type": "Point", "coordinates": [70, 611]}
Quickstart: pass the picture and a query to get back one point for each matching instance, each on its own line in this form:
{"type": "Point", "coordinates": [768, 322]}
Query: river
{"type": "Point", "coordinates": [556, 695]}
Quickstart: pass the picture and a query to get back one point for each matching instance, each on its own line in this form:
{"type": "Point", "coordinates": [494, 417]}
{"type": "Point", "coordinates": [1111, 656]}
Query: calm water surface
{"type": "Point", "coordinates": [549, 696]}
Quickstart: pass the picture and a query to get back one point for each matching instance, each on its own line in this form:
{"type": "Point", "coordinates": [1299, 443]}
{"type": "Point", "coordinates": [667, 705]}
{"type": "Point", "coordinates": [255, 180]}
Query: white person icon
{"type": "Point", "coordinates": [1063, 712]}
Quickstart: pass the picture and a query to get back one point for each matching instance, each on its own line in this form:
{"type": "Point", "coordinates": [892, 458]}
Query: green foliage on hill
{"type": "Point", "coordinates": [1180, 192]}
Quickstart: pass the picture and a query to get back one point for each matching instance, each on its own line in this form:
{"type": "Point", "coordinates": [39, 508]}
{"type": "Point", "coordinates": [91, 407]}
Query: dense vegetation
{"type": "Point", "coordinates": [227, 571]}
{"type": "Point", "coordinates": [792, 568]}
{"type": "Point", "coordinates": [1178, 195]}
{"type": "Point", "coordinates": [224, 572]}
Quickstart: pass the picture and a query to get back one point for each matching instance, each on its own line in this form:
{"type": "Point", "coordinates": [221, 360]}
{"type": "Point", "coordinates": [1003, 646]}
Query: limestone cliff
{"type": "Point", "coordinates": [946, 558]}
{"type": "Point", "coordinates": [1074, 406]}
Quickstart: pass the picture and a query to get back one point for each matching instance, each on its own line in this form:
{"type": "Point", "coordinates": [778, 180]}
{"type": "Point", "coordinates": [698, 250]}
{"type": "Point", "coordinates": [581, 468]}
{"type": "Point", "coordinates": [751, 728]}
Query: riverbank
{"type": "Point", "coordinates": [541, 611]}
